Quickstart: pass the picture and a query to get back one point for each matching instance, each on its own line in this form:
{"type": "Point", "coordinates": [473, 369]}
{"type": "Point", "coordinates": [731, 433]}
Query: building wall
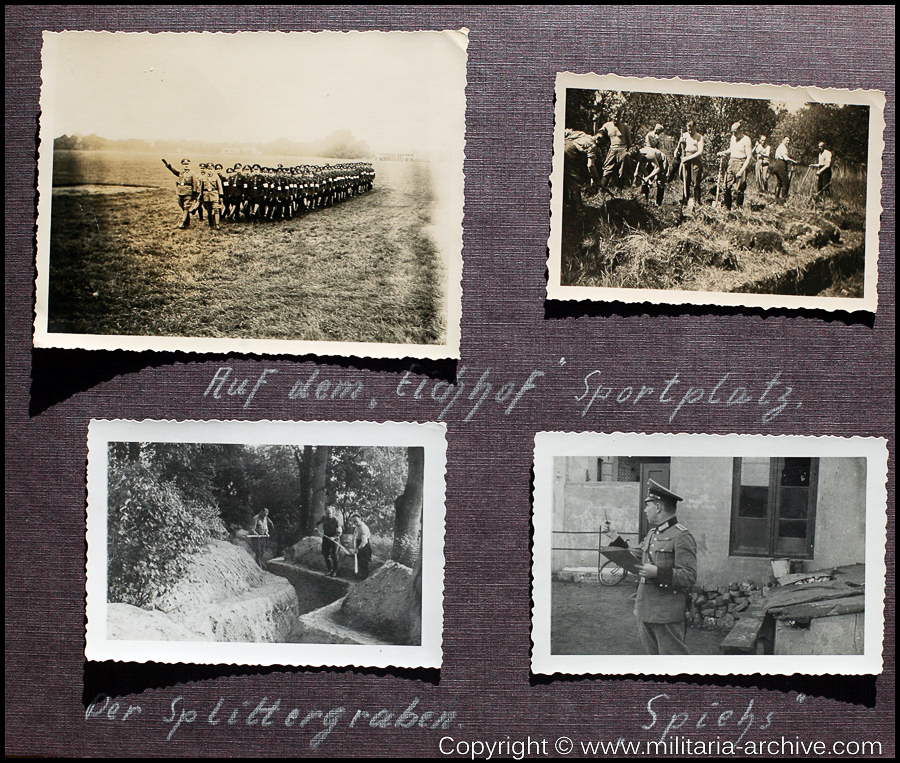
{"type": "Point", "coordinates": [841, 512]}
{"type": "Point", "coordinates": [581, 506]}
{"type": "Point", "coordinates": [705, 485]}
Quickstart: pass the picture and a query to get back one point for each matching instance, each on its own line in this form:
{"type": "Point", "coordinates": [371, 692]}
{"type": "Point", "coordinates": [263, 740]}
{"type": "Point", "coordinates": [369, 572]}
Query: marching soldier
{"type": "Point", "coordinates": [211, 195]}
{"type": "Point", "coordinates": [187, 187]}
{"type": "Point", "coordinates": [668, 570]}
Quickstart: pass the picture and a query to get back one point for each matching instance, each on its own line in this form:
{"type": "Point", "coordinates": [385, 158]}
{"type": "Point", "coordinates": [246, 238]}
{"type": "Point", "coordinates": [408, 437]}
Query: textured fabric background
{"type": "Point", "coordinates": [841, 367]}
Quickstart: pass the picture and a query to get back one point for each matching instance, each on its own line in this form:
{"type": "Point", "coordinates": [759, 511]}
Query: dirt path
{"type": "Point", "coordinates": [588, 618]}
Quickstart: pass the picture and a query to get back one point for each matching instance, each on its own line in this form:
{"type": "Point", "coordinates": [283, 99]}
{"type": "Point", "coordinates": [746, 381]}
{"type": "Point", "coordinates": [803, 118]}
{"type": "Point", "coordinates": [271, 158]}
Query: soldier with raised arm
{"type": "Point", "coordinates": [187, 188]}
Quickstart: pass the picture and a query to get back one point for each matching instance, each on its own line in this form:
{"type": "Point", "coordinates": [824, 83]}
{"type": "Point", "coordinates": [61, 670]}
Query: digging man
{"type": "Point", "coordinates": [619, 140]}
{"type": "Point", "coordinates": [668, 570]}
{"type": "Point", "coordinates": [740, 151]}
{"type": "Point", "coordinates": [261, 527]}
{"type": "Point", "coordinates": [823, 171]}
{"type": "Point", "coordinates": [332, 528]}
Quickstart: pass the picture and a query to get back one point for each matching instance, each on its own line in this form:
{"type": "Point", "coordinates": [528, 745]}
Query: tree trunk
{"type": "Point", "coordinates": [318, 483]}
{"type": "Point", "coordinates": [408, 514]}
{"type": "Point", "coordinates": [304, 459]}
{"type": "Point", "coordinates": [412, 610]}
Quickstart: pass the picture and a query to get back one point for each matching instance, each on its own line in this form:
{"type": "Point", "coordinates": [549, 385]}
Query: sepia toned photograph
{"type": "Point", "coordinates": [665, 554]}
{"type": "Point", "coordinates": [265, 542]}
{"type": "Point", "coordinates": [281, 193]}
{"type": "Point", "coordinates": [712, 193]}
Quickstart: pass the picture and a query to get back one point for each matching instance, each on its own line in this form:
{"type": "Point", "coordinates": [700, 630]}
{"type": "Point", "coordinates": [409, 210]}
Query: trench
{"type": "Point", "coordinates": [815, 277]}
{"type": "Point", "coordinates": [314, 589]}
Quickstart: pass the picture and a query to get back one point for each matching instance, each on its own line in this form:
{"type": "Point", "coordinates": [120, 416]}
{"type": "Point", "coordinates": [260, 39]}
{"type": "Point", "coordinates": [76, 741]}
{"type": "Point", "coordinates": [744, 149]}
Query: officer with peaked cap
{"type": "Point", "coordinates": [668, 570]}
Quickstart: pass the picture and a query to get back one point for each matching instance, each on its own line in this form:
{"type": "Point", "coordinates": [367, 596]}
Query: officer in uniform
{"type": "Point", "coordinates": [188, 189]}
{"type": "Point", "coordinates": [668, 570]}
{"type": "Point", "coordinates": [211, 190]}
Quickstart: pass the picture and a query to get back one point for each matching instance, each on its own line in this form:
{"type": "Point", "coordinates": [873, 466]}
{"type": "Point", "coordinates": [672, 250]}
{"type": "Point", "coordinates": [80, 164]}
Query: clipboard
{"type": "Point", "coordinates": [624, 557]}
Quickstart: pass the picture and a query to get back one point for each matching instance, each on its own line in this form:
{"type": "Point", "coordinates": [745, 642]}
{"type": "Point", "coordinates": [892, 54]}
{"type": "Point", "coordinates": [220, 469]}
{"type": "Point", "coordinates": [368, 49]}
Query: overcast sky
{"type": "Point", "coordinates": [398, 92]}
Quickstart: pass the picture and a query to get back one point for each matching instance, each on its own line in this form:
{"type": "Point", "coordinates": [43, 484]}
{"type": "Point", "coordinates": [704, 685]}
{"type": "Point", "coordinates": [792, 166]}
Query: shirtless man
{"type": "Point", "coordinates": [690, 148]}
{"type": "Point", "coordinates": [658, 164]}
{"type": "Point", "coordinates": [739, 151]}
{"type": "Point", "coordinates": [619, 139]}
{"type": "Point", "coordinates": [651, 139]}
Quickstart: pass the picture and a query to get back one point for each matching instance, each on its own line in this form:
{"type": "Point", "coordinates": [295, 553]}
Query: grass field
{"type": "Point", "coordinates": [366, 270]}
{"type": "Point", "coordinates": [765, 247]}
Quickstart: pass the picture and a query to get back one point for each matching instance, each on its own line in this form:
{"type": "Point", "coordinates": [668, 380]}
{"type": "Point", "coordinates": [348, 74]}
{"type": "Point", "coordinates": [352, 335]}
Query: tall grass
{"type": "Point", "coordinates": [628, 243]}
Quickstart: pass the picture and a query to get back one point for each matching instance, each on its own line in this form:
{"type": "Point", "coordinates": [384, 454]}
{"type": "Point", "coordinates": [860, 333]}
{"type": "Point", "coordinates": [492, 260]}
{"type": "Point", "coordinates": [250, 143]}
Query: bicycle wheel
{"type": "Point", "coordinates": [611, 574]}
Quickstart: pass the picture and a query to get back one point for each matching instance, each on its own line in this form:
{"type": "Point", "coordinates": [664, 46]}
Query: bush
{"type": "Point", "coordinates": [153, 530]}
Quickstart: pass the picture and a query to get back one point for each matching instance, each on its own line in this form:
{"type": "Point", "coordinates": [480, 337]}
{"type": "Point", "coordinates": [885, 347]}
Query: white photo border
{"type": "Point", "coordinates": [451, 216]}
{"type": "Point", "coordinates": [431, 436]}
{"type": "Point", "coordinates": [550, 445]}
{"type": "Point", "coordinates": [875, 99]}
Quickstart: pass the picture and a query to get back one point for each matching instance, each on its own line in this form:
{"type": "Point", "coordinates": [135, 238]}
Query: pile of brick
{"type": "Point", "coordinates": [720, 607]}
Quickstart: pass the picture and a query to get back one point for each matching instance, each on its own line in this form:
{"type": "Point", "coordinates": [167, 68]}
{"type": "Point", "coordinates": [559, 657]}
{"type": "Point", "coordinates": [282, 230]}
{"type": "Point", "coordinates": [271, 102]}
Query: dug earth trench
{"type": "Point", "coordinates": [764, 247]}
{"type": "Point", "coordinates": [338, 611]}
{"type": "Point", "coordinates": [223, 596]}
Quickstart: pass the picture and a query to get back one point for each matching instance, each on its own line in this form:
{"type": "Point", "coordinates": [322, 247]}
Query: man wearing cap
{"type": "Point", "coordinates": [187, 187]}
{"type": "Point", "coordinates": [740, 151]}
{"type": "Point", "coordinates": [211, 194]}
{"type": "Point", "coordinates": [823, 171]}
{"type": "Point", "coordinates": [668, 570]}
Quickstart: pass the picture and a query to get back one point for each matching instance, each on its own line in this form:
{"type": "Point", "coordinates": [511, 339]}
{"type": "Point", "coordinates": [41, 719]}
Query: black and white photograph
{"type": "Point", "coordinates": [265, 542]}
{"type": "Point", "coordinates": [273, 193]}
{"type": "Point", "coordinates": [711, 193]}
{"type": "Point", "coordinates": [693, 553]}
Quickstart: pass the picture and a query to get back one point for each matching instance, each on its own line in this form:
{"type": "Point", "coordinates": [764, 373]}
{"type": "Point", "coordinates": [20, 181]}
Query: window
{"type": "Point", "coordinates": [774, 506]}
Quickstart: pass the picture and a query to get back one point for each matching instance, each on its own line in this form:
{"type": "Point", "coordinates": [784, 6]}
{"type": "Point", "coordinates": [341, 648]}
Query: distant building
{"type": "Point", "coordinates": [399, 157]}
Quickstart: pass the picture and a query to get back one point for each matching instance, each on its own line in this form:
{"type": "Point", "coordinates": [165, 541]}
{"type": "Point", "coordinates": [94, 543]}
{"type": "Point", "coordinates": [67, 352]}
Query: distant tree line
{"type": "Point", "coordinates": [166, 500]}
{"type": "Point", "coordinates": [844, 128]}
{"type": "Point", "coordinates": [340, 144]}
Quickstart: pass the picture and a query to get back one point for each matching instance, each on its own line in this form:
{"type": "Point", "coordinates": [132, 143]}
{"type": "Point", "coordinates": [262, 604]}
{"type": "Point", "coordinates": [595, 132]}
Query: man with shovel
{"type": "Point", "coordinates": [740, 152]}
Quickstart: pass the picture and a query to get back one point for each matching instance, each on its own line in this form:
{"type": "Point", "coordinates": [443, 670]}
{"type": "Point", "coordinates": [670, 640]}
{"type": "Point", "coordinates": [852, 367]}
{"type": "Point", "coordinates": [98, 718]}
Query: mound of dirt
{"type": "Point", "coordinates": [125, 622]}
{"type": "Point", "coordinates": [377, 604]}
{"type": "Point", "coordinates": [223, 596]}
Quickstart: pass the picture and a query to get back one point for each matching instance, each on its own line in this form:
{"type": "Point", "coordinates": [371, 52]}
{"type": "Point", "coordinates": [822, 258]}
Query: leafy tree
{"type": "Point", "coordinates": [845, 130]}
{"type": "Point", "coordinates": [153, 524]}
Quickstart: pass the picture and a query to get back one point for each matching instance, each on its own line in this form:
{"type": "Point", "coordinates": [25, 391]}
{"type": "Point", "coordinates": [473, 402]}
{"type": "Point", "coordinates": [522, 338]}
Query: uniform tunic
{"type": "Point", "coordinates": [661, 601]}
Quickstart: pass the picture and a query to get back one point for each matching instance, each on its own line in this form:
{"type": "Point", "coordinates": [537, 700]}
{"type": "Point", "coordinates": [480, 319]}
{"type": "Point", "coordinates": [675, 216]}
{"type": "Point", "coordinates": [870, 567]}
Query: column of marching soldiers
{"type": "Point", "coordinates": [253, 192]}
